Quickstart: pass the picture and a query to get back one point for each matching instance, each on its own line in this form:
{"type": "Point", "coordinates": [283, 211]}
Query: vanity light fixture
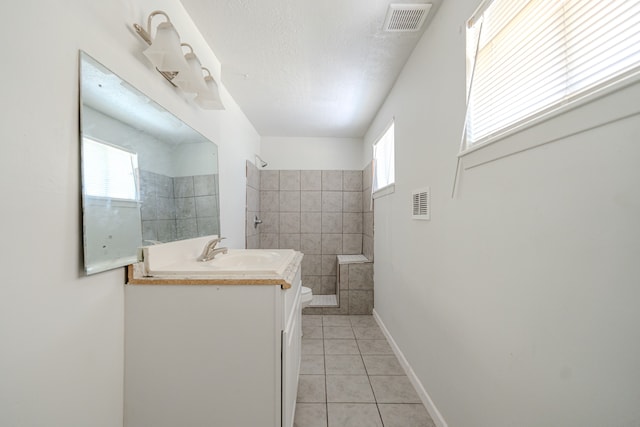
{"type": "Point", "coordinates": [182, 70]}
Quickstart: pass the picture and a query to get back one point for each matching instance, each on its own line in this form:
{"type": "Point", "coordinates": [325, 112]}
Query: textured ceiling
{"type": "Point", "coordinates": [306, 68]}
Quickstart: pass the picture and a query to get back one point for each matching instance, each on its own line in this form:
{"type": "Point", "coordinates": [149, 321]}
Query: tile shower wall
{"type": "Point", "coordinates": [178, 208]}
{"type": "Point", "coordinates": [316, 212]}
{"type": "Point", "coordinates": [253, 206]}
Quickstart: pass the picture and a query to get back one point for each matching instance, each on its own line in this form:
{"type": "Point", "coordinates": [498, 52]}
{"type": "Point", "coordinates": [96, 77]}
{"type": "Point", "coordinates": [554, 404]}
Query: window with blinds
{"type": "Point", "coordinates": [531, 58]}
{"type": "Point", "coordinates": [109, 171]}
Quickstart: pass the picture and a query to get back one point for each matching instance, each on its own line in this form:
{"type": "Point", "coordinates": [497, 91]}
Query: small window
{"type": "Point", "coordinates": [108, 171]}
{"type": "Point", "coordinates": [384, 173]}
{"type": "Point", "coordinates": [529, 59]}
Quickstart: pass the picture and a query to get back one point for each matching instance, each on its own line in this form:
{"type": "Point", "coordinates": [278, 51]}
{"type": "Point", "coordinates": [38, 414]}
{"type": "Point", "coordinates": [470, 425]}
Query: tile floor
{"type": "Point", "coordinates": [350, 377]}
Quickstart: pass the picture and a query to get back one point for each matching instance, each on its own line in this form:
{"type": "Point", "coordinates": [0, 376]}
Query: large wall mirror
{"type": "Point", "coordinates": [147, 177]}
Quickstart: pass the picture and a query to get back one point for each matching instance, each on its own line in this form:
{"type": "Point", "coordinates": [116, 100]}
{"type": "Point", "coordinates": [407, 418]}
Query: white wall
{"type": "Point", "coordinates": [62, 333]}
{"type": "Point", "coordinates": [286, 153]}
{"type": "Point", "coordinates": [517, 304]}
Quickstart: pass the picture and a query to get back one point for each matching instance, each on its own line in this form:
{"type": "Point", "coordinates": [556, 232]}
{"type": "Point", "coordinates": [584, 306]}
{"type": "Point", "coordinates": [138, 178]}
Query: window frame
{"type": "Point", "coordinates": [559, 118]}
{"type": "Point", "coordinates": [390, 187]}
{"type": "Point", "coordinates": [135, 172]}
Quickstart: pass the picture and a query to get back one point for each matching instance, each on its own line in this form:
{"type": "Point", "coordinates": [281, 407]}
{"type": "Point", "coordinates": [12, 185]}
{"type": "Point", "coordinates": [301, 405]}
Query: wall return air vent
{"type": "Point", "coordinates": [421, 204]}
{"type": "Point", "coordinates": [406, 17]}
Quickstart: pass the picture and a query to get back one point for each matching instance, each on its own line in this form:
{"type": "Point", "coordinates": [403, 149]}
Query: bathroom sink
{"type": "Point", "coordinates": [179, 258]}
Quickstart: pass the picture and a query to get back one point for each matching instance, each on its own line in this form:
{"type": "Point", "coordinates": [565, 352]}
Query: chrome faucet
{"type": "Point", "coordinates": [210, 251]}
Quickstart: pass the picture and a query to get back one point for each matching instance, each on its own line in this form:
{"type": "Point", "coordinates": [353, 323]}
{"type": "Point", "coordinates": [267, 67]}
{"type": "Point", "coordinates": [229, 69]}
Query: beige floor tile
{"type": "Point", "coordinates": [312, 332]}
{"type": "Point", "coordinates": [341, 347]}
{"type": "Point", "coordinates": [310, 346]}
{"type": "Point", "coordinates": [312, 364]}
{"type": "Point", "coordinates": [338, 332]}
{"type": "Point", "coordinates": [368, 333]}
{"type": "Point", "coordinates": [382, 365]}
{"type": "Point", "coordinates": [335, 320]}
{"type": "Point", "coordinates": [405, 415]}
{"type": "Point", "coordinates": [310, 415]}
{"type": "Point", "coordinates": [311, 320]}
{"type": "Point", "coordinates": [374, 347]}
{"type": "Point", "coordinates": [349, 389]}
{"type": "Point", "coordinates": [366, 321]}
{"type": "Point", "coordinates": [393, 389]}
{"type": "Point", "coordinates": [311, 389]}
{"type": "Point", "coordinates": [353, 415]}
{"type": "Point", "coordinates": [344, 364]}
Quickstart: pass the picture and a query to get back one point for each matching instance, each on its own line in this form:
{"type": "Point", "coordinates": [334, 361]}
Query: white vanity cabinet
{"type": "Point", "coordinates": [212, 355]}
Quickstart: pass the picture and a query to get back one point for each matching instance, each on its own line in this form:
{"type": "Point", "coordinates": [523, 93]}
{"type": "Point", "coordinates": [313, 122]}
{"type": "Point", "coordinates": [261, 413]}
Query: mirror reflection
{"type": "Point", "coordinates": [147, 177]}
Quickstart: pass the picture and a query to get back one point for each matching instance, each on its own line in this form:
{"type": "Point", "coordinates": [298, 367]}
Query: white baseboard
{"type": "Point", "coordinates": [422, 393]}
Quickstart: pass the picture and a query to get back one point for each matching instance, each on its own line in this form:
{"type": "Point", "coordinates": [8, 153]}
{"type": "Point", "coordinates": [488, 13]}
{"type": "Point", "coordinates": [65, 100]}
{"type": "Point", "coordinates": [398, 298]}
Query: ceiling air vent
{"type": "Point", "coordinates": [406, 17]}
{"type": "Point", "coordinates": [421, 204]}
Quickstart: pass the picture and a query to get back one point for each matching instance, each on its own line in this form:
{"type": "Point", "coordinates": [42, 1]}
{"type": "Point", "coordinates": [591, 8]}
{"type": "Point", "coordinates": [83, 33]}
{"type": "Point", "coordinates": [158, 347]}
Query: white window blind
{"type": "Point", "coordinates": [109, 171]}
{"type": "Point", "coordinates": [527, 58]}
{"type": "Point", "coordinates": [384, 173]}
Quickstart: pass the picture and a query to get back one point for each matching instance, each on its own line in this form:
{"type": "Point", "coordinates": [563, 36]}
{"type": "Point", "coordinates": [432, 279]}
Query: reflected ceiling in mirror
{"type": "Point", "coordinates": [147, 177]}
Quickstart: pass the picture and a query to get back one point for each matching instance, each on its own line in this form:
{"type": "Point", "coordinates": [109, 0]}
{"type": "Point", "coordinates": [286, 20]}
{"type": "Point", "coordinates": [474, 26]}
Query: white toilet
{"type": "Point", "coordinates": [306, 296]}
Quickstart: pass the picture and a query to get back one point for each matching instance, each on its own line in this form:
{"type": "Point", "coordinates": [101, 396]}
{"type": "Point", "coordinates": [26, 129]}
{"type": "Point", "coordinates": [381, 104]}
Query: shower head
{"type": "Point", "coordinates": [262, 162]}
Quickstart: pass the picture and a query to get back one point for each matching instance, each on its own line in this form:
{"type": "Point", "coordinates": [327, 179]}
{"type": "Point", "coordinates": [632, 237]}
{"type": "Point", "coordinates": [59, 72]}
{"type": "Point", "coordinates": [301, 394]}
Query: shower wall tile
{"type": "Point", "coordinates": [166, 208]}
{"type": "Point", "coordinates": [310, 180]}
{"type": "Point", "coordinates": [367, 223]}
{"type": "Point", "coordinates": [269, 201]}
{"type": "Point", "coordinates": [332, 222]}
{"type": "Point", "coordinates": [351, 222]}
{"type": "Point", "coordinates": [289, 223]}
{"type": "Point", "coordinates": [352, 201]}
{"type": "Point", "coordinates": [289, 201]}
{"type": "Point", "coordinates": [183, 186]}
{"type": "Point", "coordinates": [253, 242]}
{"type": "Point", "coordinates": [332, 201]}
{"type": "Point", "coordinates": [253, 199]}
{"type": "Point", "coordinates": [328, 285]}
{"type": "Point", "coordinates": [289, 180]}
{"type": "Point", "coordinates": [253, 176]}
{"type": "Point", "coordinates": [311, 244]}
{"type": "Point", "coordinates": [331, 180]}
{"type": "Point", "coordinates": [185, 208]}
{"type": "Point", "coordinates": [270, 222]}
{"type": "Point", "coordinates": [164, 186]}
{"type": "Point", "coordinates": [251, 230]}
{"type": "Point", "coordinates": [311, 222]}
{"type": "Point", "coordinates": [331, 244]}
{"type": "Point", "coordinates": [329, 264]}
{"type": "Point", "coordinates": [352, 244]}
{"type": "Point", "coordinates": [361, 276]}
{"type": "Point", "coordinates": [269, 180]}
{"type": "Point", "coordinates": [314, 282]}
{"type": "Point", "coordinates": [352, 180]}
{"type": "Point", "coordinates": [206, 206]}
{"type": "Point", "coordinates": [269, 241]}
{"type": "Point", "coordinates": [312, 265]}
{"type": "Point", "coordinates": [148, 231]}
{"type": "Point", "coordinates": [343, 276]}
{"type": "Point", "coordinates": [360, 302]}
{"type": "Point", "coordinates": [165, 230]}
{"type": "Point", "coordinates": [367, 247]}
{"type": "Point", "coordinates": [290, 241]}
{"type": "Point", "coordinates": [149, 208]}
{"type": "Point", "coordinates": [310, 201]}
{"type": "Point", "coordinates": [207, 226]}
{"type": "Point", "coordinates": [205, 185]}
{"type": "Point", "coordinates": [186, 228]}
